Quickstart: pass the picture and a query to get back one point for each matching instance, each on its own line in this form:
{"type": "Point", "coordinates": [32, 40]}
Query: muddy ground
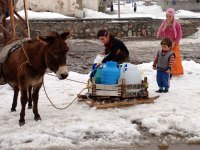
{"type": "Point", "coordinates": [83, 52]}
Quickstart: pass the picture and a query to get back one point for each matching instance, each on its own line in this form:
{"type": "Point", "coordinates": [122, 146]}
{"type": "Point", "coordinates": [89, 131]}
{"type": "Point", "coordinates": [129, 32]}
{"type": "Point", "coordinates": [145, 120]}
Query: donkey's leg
{"type": "Point", "coordinates": [24, 99]}
{"type": "Point", "coordinates": [35, 97]}
{"type": "Point", "coordinates": [14, 104]}
{"type": "Point", "coordinates": [30, 97]}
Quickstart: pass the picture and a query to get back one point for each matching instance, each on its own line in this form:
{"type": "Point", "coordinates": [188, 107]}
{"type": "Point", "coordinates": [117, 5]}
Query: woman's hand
{"type": "Point", "coordinates": [154, 68]}
{"type": "Point", "coordinates": [173, 44]}
{"type": "Point", "coordinates": [102, 53]}
{"type": "Point", "coordinates": [98, 64]}
{"type": "Point", "coordinates": [168, 71]}
{"type": "Point", "coordinates": [165, 25]}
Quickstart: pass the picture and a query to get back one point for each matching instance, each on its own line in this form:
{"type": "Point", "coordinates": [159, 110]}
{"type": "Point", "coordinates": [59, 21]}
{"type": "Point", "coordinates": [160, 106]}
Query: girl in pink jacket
{"type": "Point", "coordinates": [170, 28]}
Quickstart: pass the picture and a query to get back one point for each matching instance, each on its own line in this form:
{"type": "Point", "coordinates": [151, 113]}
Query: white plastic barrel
{"type": "Point", "coordinates": [131, 74]}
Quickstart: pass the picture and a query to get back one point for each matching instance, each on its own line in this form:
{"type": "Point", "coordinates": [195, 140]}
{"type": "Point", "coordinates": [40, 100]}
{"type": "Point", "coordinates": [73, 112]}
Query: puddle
{"type": "Point", "coordinates": [171, 147]}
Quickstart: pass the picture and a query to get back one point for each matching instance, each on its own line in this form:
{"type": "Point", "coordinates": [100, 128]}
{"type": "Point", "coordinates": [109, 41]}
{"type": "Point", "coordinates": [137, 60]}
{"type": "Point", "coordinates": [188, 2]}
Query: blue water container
{"type": "Point", "coordinates": [110, 73]}
{"type": "Point", "coordinates": [97, 75]}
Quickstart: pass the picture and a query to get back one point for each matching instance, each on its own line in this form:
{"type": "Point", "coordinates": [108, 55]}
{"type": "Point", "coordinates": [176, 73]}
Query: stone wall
{"type": "Point", "coordinates": [88, 28]}
{"type": "Point", "coordinates": [195, 21]}
{"type": "Point", "coordinates": [140, 28]}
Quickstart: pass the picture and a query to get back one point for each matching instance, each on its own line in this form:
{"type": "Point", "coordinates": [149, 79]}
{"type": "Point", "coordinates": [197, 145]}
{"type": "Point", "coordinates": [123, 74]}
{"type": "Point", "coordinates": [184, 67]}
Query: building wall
{"type": "Point", "coordinates": [191, 5]}
{"type": "Point", "coordinates": [91, 4]}
{"type": "Point", "coordinates": [65, 7]}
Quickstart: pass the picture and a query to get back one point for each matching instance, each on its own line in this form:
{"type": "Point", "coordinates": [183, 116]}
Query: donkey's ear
{"type": "Point", "coordinates": [47, 39]}
{"type": "Point", "coordinates": [65, 35]}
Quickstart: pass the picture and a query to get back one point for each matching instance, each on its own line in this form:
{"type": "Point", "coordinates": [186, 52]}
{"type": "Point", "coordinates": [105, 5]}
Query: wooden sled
{"type": "Point", "coordinates": [120, 95]}
{"type": "Point", "coordinates": [109, 102]}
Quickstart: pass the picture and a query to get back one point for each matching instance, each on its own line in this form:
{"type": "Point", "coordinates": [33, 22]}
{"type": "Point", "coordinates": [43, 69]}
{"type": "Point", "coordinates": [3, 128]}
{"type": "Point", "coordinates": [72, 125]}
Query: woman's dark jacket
{"type": "Point", "coordinates": [116, 51]}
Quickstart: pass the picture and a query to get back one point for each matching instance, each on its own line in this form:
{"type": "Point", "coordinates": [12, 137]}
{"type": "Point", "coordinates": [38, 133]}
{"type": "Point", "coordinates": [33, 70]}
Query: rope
{"type": "Point", "coordinates": [20, 67]}
{"type": "Point", "coordinates": [27, 61]}
{"type": "Point", "coordinates": [87, 87]}
{"type": "Point", "coordinates": [68, 79]}
{"type": "Point", "coordinates": [25, 53]}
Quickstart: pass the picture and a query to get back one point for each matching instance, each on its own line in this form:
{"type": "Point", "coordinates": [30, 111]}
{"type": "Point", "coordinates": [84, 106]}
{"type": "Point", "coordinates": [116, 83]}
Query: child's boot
{"type": "Point", "coordinates": [166, 90]}
{"type": "Point", "coordinates": [160, 90]}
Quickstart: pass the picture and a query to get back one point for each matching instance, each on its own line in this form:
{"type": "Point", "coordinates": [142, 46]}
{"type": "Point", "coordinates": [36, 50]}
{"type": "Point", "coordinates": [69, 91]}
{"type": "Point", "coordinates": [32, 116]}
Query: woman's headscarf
{"type": "Point", "coordinates": [171, 12]}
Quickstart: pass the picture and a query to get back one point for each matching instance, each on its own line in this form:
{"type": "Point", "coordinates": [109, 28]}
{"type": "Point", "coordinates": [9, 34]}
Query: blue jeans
{"type": "Point", "coordinates": [163, 79]}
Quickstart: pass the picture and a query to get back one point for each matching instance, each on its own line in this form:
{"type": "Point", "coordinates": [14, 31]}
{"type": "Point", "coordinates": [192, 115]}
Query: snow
{"type": "Point", "coordinates": [83, 127]}
{"type": "Point", "coordinates": [42, 15]}
{"type": "Point", "coordinates": [94, 14]}
{"type": "Point", "coordinates": [126, 11]}
{"type": "Point", "coordinates": [187, 14]}
{"type": "Point", "coordinates": [176, 112]}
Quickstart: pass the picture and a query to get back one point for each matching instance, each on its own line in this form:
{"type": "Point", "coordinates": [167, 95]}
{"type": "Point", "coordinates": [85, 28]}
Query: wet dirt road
{"type": "Point", "coordinates": [83, 52]}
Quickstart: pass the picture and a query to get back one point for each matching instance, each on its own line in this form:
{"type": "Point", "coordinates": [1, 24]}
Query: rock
{"type": "Point", "coordinates": [125, 28]}
{"type": "Point", "coordinates": [130, 33]}
{"type": "Point", "coordinates": [84, 67]}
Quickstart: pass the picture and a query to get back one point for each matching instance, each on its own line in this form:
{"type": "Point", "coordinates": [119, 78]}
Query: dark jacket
{"type": "Point", "coordinates": [116, 51]}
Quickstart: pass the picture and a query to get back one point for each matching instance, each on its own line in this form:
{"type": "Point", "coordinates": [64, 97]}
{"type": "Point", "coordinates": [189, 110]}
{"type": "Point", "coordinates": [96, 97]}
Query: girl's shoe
{"type": "Point", "coordinates": [170, 76]}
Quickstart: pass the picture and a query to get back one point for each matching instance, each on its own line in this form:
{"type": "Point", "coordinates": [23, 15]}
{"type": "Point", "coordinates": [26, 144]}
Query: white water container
{"type": "Point", "coordinates": [131, 74]}
{"type": "Point", "coordinates": [99, 58]}
{"type": "Point", "coordinates": [123, 68]}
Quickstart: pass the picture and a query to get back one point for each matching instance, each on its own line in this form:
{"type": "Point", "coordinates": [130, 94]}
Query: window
{"type": "Point", "coordinates": [173, 2]}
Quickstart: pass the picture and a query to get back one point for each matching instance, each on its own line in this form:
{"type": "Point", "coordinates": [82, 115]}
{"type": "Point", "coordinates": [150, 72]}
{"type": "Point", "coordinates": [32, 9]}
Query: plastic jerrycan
{"type": "Point", "coordinates": [131, 74]}
{"type": "Point", "coordinates": [110, 73]}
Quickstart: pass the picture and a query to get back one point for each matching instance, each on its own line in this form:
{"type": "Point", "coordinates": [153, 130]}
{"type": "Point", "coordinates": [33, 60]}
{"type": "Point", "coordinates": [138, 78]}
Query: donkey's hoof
{"type": "Point", "coordinates": [21, 123]}
{"type": "Point", "coordinates": [30, 107]}
{"type": "Point", "coordinates": [37, 118]}
{"type": "Point", "coordinates": [13, 109]}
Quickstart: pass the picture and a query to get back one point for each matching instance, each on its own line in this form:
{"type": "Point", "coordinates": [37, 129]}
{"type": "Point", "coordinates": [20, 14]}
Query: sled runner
{"type": "Point", "coordinates": [114, 102]}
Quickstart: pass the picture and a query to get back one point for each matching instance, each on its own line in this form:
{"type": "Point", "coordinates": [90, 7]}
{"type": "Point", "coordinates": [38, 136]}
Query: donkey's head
{"type": "Point", "coordinates": [56, 53]}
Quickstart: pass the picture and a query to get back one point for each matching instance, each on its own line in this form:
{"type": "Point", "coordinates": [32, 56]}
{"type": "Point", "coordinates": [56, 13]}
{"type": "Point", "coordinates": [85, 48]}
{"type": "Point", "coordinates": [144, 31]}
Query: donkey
{"type": "Point", "coordinates": [24, 69]}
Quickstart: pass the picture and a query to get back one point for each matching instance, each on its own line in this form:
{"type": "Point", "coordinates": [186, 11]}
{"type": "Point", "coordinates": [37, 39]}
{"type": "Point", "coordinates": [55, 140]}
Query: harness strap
{"type": "Point", "coordinates": [27, 61]}
{"type": "Point", "coordinates": [25, 54]}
